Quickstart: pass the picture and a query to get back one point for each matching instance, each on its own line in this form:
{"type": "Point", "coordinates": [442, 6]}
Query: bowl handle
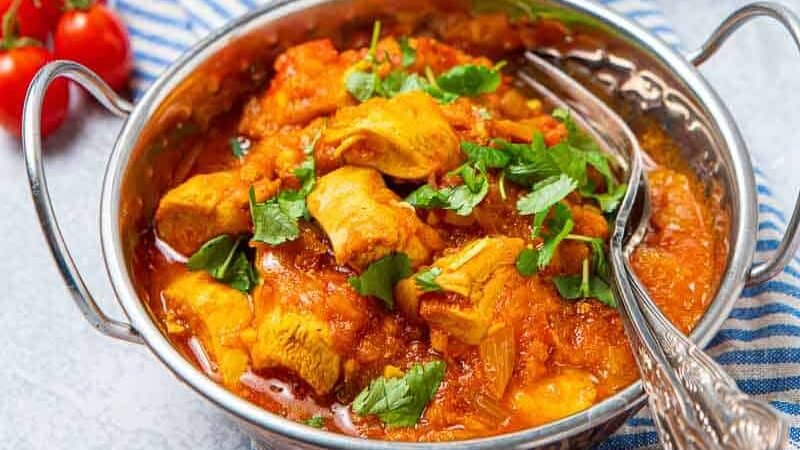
{"type": "Point", "coordinates": [32, 146]}
{"type": "Point", "coordinates": [790, 21]}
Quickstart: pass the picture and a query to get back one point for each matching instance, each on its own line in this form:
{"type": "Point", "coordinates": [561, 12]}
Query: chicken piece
{"type": "Point", "coordinates": [217, 314]}
{"type": "Point", "coordinates": [405, 137]}
{"type": "Point", "coordinates": [557, 396]}
{"type": "Point", "coordinates": [206, 206]}
{"type": "Point", "coordinates": [478, 273]}
{"type": "Point", "coordinates": [308, 82]}
{"type": "Point", "coordinates": [301, 343]}
{"type": "Point", "coordinates": [365, 220]}
{"type": "Point", "coordinates": [308, 318]}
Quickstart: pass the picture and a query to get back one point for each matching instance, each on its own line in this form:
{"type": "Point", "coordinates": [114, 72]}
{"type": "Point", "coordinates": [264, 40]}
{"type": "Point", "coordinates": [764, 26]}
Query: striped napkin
{"type": "Point", "coordinates": [758, 344]}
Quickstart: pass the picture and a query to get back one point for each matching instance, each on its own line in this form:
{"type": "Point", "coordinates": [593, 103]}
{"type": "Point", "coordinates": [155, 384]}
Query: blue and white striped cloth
{"type": "Point", "coordinates": [759, 344]}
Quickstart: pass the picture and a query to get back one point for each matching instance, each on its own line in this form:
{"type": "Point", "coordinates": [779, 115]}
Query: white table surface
{"type": "Point", "coordinates": [64, 386]}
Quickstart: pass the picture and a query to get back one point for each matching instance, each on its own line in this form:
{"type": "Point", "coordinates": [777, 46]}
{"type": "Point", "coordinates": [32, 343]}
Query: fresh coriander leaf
{"type": "Point", "coordinates": [462, 198]}
{"type": "Point", "coordinates": [241, 275]}
{"type": "Point", "coordinates": [408, 52]}
{"type": "Point", "coordinates": [315, 421]}
{"type": "Point", "coordinates": [538, 221]}
{"type": "Point", "coordinates": [400, 402]}
{"type": "Point", "coordinates": [442, 96]}
{"type": "Point", "coordinates": [469, 80]}
{"type": "Point", "coordinates": [381, 276]}
{"type": "Point", "coordinates": [272, 223]}
{"type": "Point", "coordinates": [608, 201]}
{"type": "Point", "coordinates": [569, 287]}
{"type": "Point", "coordinates": [558, 228]}
{"type": "Point", "coordinates": [224, 259]}
{"type": "Point", "coordinates": [398, 82]}
{"type": "Point", "coordinates": [426, 279]}
{"type": "Point", "coordinates": [237, 148]}
{"type": "Point", "coordinates": [293, 203]}
{"type": "Point", "coordinates": [527, 262]}
{"type": "Point", "coordinates": [362, 85]}
{"type": "Point", "coordinates": [570, 161]}
{"type": "Point", "coordinates": [214, 256]}
{"type": "Point", "coordinates": [486, 157]}
{"type": "Point", "coordinates": [545, 194]}
{"type": "Point", "coordinates": [427, 197]}
{"type": "Point", "coordinates": [465, 197]}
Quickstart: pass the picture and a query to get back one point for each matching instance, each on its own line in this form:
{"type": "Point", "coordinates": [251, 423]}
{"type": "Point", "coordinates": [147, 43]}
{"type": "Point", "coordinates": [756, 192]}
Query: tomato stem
{"type": "Point", "coordinates": [10, 25]}
{"type": "Point", "coordinates": [81, 5]}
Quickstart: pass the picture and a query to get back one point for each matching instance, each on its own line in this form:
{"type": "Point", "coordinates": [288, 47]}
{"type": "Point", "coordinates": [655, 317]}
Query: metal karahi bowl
{"type": "Point", "coordinates": [640, 71]}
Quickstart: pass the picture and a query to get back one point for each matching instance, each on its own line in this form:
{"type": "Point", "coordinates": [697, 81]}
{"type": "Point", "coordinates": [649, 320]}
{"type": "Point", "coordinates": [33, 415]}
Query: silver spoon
{"type": "Point", "coordinates": [694, 403]}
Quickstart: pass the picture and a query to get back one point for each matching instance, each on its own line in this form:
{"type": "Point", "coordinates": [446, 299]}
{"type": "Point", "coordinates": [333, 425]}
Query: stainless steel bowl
{"type": "Point", "coordinates": [641, 72]}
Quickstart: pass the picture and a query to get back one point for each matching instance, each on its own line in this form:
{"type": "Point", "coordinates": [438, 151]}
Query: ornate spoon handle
{"type": "Point", "coordinates": [678, 424]}
{"type": "Point", "coordinates": [730, 418]}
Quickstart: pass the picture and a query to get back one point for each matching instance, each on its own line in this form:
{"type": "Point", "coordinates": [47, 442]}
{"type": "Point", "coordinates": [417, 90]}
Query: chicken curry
{"type": "Point", "coordinates": [395, 241]}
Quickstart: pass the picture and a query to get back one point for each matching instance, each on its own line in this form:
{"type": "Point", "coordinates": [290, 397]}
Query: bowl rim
{"type": "Point", "coordinates": [742, 242]}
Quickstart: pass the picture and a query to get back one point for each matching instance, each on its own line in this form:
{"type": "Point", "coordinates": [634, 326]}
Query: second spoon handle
{"type": "Point", "coordinates": [735, 420]}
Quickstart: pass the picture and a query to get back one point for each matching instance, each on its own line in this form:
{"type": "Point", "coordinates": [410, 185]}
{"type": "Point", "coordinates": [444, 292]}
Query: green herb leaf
{"type": "Point", "coordinates": [569, 287]}
{"type": "Point", "coordinates": [427, 197]}
{"type": "Point", "coordinates": [236, 148]}
{"type": "Point", "coordinates": [224, 259]}
{"type": "Point", "coordinates": [546, 194]}
{"type": "Point", "coordinates": [485, 157]}
{"type": "Point", "coordinates": [426, 279]}
{"type": "Point", "coordinates": [315, 421]}
{"type": "Point", "coordinates": [528, 262]}
{"type": "Point", "coordinates": [462, 198]}
{"type": "Point", "coordinates": [440, 95]}
{"type": "Point", "coordinates": [469, 80]}
{"type": "Point", "coordinates": [362, 85]}
{"type": "Point", "coordinates": [400, 402]}
{"type": "Point", "coordinates": [398, 82]}
{"type": "Point", "coordinates": [558, 228]}
{"type": "Point", "coordinates": [274, 221]}
{"type": "Point", "coordinates": [408, 52]}
{"type": "Point", "coordinates": [381, 276]}
{"type": "Point", "coordinates": [241, 274]}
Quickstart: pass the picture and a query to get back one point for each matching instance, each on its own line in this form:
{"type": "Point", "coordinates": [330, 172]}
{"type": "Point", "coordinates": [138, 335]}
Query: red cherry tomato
{"type": "Point", "coordinates": [96, 38]}
{"type": "Point", "coordinates": [51, 10]}
{"type": "Point", "coordinates": [31, 21]}
{"type": "Point", "coordinates": [17, 67]}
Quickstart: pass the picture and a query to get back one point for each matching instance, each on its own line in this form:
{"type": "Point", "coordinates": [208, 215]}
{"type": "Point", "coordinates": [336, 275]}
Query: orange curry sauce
{"type": "Point", "coordinates": [567, 354]}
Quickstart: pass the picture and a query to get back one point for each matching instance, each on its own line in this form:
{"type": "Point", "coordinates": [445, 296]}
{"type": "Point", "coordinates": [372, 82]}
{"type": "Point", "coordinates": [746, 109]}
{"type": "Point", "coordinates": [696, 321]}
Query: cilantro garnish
{"type": "Point", "coordinates": [557, 229]}
{"type": "Point", "coordinates": [426, 279]}
{"type": "Point", "coordinates": [462, 198]}
{"type": "Point", "coordinates": [362, 85]}
{"type": "Point", "coordinates": [225, 260]}
{"type": "Point", "coordinates": [545, 194]}
{"type": "Point", "coordinates": [275, 220]}
{"type": "Point", "coordinates": [363, 81]}
{"type": "Point", "coordinates": [408, 52]}
{"type": "Point", "coordinates": [400, 402]}
{"type": "Point", "coordinates": [381, 276]}
{"type": "Point", "coordinates": [573, 287]}
{"type": "Point", "coordinates": [237, 148]}
{"type": "Point", "coordinates": [470, 80]}
{"type": "Point", "coordinates": [315, 421]}
{"type": "Point", "coordinates": [528, 262]}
